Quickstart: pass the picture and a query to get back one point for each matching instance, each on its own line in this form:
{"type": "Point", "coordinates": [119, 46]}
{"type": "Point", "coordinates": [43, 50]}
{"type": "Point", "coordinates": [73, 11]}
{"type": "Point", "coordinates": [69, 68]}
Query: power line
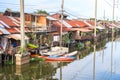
{"type": "Point", "coordinates": [75, 15]}
{"type": "Point", "coordinates": [78, 14]}
{"type": "Point", "coordinates": [116, 3]}
{"type": "Point", "coordinates": [16, 4]}
{"type": "Point", "coordinates": [108, 3]}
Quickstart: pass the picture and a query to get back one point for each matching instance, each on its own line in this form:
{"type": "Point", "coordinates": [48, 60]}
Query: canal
{"type": "Point", "coordinates": [95, 62]}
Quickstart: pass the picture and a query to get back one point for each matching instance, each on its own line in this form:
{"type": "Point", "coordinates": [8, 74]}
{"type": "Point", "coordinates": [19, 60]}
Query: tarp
{"type": "Point", "coordinates": [16, 36]}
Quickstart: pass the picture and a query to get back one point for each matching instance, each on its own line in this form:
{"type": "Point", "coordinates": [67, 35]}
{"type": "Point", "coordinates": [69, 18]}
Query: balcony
{"type": "Point", "coordinates": [39, 29]}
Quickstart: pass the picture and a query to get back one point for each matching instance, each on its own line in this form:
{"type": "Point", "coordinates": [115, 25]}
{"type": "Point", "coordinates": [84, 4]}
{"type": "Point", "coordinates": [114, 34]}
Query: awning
{"type": "Point", "coordinates": [16, 36]}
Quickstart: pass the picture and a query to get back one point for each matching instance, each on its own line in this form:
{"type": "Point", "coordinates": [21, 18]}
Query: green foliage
{"type": "Point", "coordinates": [8, 9]}
{"type": "Point", "coordinates": [1, 12]}
{"type": "Point", "coordinates": [65, 38]}
{"type": "Point", "coordinates": [87, 43]}
{"type": "Point", "coordinates": [30, 45]}
{"type": "Point", "coordinates": [92, 18]}
{"type": "Point", "coordinates": [41, 12]}
{"type": "Point", "coordinates": [80, 45]}
{"type": "Point", "coordinates": [9, 62]}
{"type": "Point", "coordinates": [37, 59]}
{"type": "Point", "coordinates": [21, 50]}
{"type": "Point", "coordinates": [31, 35]}
{"type": "Point", "coordinates": [49, 40]}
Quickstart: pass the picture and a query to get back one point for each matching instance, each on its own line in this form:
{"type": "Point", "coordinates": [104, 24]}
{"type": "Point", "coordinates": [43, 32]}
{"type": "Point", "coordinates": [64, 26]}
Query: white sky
{"type": "Point", "coordinates": [78, 8]}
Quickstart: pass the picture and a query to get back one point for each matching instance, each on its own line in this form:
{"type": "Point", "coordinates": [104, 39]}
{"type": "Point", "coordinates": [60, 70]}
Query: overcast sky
{"type": "Point", "coordinates": [77, 8]}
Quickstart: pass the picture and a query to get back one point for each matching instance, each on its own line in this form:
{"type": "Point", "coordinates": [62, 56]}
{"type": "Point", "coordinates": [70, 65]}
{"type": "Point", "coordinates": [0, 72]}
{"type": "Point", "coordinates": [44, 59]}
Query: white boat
{"type": "Point", "coordinates": [56, 51]}
{"type": "Point", "coordinates": [72, 53]}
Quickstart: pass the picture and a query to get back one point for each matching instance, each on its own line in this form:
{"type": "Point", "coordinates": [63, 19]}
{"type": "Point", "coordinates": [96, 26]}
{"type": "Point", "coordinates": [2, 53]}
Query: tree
{"type": "Point", "coordinates": [1, 12]}
{"type": "Point", "coordinates": [8, 9]}
{"type": "Point", "coordinates": [41, 12]}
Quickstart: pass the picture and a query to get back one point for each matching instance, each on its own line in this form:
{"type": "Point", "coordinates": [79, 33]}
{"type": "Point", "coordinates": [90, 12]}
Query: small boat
{"type": "Point", "coordinates": [58, 61]}
{"type": "Point", "coordinates": [62, 58]}
{"type": "Point", "coordinates": [71, 54]}
{"type": "Point", "coordinates": [34, 55]}
{"type": "Point", "coordinates": [68, 57]}
{"type": "Point", "coordinates": [55, 58]}
{"type": "Point", "coordinates": [55, 51]}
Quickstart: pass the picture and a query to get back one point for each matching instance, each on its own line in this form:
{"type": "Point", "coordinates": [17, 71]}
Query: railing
{"type": "Point", "coordinates": [42, 29]}
{"type": "Point", "coordinates": [39, 29]}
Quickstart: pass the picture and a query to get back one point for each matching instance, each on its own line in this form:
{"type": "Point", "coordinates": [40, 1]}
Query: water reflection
{"type": "Point", "coordinates": [32, 71]}
{"type": "Point", "coordinates": [94, 61]}
{"type": "Point", "coordinates": [112, 54]}
{"type": "Point", "coordinates": [98, 62]}
{"type": "Point", "coordinates": [60, 71]}
{"type": "Point", "coordinates": [102, 55]}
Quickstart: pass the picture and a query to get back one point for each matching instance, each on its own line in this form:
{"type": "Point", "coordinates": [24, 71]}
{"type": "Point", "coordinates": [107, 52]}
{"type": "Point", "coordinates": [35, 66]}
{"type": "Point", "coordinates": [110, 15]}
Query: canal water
{"type": "Point", "coordinates": [99, 61]}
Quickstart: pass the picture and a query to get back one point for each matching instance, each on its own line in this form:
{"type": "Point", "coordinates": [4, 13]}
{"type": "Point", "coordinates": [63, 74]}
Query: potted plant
{"type": "Point", "coordinates": [22, 57]}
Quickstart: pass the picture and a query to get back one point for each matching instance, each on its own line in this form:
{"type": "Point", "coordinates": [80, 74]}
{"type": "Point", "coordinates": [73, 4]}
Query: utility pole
{"type": "Point", "coordinates": [113, 14]}
{"type": "Point", "coordinates": [112, 37]}
{"type": "Point", "coordinates": [104, 18]}
{"type": "Point", "coordinates": [94, 61]}
{"type": "Point", "coordinates": [104, 15]}
{"type": "Point", "coordinates": [113, 20]}
{"type": "Point", "coordinates": [22, 24]}
{"type": "Point", "coordinates": [95, 19]}
{"type": "Point", "coordinates": [62, 6]}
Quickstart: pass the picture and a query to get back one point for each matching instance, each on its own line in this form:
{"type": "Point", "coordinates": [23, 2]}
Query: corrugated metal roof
{"type": "Point", "coordinates": [66, 24]}
{"type": "Point", "coordinates": [15, 21]}
{"type": "Point", "coordinates": [4, 31]}
{"type": "Point", "coordinates": [88, 23]}
{"type": "Point", "coordinates": [76, 23]}
{"type": "Point", "coordinates": [6, 20]}
{"type": "Point", "coordinates": [12, 30]}
{"type": "Point", "coordinates": [3, 24]}
{"type": "Point", "coordinates": [82, 29]}
{"type": "Point", "coordinates": [51, 18]}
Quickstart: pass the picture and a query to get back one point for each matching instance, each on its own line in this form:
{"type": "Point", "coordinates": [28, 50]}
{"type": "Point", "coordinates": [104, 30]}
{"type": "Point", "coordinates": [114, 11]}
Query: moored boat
{"type": "Point", "coordinates": [55, 51]}
{"type": "Point", "coordinates": [71, 54]}
{"type": "Point", "coordinates": [59, 58]}
{"type": "Point", "coordinates": [66, 57]}
{"type": "Point", "coordinates": [55, 58]}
